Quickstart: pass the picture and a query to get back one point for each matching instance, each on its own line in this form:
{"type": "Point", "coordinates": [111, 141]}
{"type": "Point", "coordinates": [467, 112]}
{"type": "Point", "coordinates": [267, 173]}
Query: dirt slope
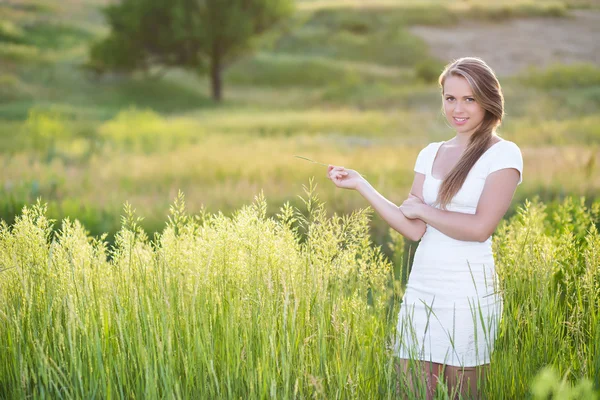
{"type": "Point", "coordinates": [513, 45]}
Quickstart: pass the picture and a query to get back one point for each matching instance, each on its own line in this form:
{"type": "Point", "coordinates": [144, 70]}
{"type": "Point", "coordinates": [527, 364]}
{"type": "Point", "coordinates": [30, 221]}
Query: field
{"type": "Point", "coordinates": [343, 82]}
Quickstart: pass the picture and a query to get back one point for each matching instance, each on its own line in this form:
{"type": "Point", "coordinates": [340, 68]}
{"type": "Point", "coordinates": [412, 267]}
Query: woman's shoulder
{"type": "Point", "coordinates": [424, 159]}
{"type": "Point", "coordinates": [431, 147]}
{"type": "Point", "coordinates": [507, 144]}
{"type": "Point", "coordinates": [506, 154]}
{"type": "Point", "coordinates": [503, 148]}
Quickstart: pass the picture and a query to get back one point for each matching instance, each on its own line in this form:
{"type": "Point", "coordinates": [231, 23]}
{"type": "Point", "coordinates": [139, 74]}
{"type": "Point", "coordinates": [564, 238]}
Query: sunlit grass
{"type": "Point", "coordinates": [221, 159]}
{"type": "Point", "coordinates": [226, 305]}
{"type": "Point", "coordinates": [169, 305]}
{"type": "Point", "coordinates": [295, 306]}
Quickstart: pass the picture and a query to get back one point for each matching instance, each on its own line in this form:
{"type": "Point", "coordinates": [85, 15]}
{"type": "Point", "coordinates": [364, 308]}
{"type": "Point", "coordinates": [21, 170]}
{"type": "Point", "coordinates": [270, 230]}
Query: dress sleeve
{"type": "Point", "coordinates": [508, 157]}
{"type": "Point", "coordinates": [421, 163]}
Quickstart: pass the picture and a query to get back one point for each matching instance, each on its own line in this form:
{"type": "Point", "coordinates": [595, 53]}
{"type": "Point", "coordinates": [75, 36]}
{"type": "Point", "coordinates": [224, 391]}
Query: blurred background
{"type": "Point", "coordinates": [106, 102]}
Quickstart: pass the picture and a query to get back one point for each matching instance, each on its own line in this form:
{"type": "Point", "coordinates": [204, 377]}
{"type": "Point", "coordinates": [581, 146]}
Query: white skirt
{"type": "Point", "coordinates": [451, 310]}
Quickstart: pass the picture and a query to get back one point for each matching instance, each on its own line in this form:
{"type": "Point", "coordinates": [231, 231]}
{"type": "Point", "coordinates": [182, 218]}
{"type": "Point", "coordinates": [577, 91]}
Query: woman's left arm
{"type": "Point", "coordinates": [495, 199]}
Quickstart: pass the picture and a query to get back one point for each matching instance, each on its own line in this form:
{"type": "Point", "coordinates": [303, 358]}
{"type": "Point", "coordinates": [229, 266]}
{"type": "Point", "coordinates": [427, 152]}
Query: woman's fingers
{"type": "Point", "coordinates": [331, 169]}
{"type": "Point", "coordinates": [336, 172]}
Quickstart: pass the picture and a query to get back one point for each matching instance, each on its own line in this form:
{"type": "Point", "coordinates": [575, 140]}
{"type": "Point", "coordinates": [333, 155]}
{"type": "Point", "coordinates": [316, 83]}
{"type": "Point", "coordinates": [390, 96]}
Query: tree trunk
{"type": "Point", "coordinates": [215, 75]}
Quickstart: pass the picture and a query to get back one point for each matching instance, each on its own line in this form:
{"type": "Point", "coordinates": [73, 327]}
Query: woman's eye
{"type": "Point", "coordinates": [470, 99]}
{"type": "Point", "coordinates": [449, 98]}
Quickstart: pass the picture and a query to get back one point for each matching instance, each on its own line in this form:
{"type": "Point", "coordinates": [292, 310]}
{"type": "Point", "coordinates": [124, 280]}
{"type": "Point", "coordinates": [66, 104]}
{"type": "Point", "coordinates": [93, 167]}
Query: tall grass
{"type": "Point", "coordinates": [549, 269]}
{"type": "Point", "coordinates": [283, 307]}
{"type": "Point", "coordinates": [213, 307]}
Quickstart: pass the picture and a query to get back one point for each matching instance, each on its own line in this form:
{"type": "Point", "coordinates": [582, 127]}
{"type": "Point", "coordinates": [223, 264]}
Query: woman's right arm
{"type": "Point", "coordinates": [412, 229]}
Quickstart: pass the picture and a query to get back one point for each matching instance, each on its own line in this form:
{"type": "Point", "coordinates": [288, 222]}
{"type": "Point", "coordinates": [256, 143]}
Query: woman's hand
{"type": "Point", "coordinates": [412, 207]}
{"type": "Point", "coordinates": [343, 177]}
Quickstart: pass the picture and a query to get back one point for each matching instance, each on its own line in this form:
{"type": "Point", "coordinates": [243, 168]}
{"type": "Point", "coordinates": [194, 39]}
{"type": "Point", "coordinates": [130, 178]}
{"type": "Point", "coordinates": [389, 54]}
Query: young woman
{"type": "Point", "coordinates": [461, 190]}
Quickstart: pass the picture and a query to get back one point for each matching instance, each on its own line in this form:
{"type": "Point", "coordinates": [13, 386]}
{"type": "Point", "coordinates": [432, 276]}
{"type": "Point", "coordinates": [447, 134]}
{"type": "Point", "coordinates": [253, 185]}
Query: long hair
{"type": "Point", "coordinates": [488, 93]}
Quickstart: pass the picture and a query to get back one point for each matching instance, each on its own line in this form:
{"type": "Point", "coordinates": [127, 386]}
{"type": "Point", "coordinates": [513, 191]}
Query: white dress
{"type": "Point", "coordinates": [451, 309]}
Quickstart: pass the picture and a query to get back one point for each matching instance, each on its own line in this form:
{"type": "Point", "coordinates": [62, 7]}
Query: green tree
{"type": "Point", "coordinates": [201, 35]}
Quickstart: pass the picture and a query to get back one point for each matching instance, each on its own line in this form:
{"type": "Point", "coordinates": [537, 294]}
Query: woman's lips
{"type": "Point", "coordinates": [460, 121]}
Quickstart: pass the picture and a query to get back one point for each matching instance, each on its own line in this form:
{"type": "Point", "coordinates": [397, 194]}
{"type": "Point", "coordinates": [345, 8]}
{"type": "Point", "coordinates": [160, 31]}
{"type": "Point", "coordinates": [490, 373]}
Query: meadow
{"type": "Point", "coordinates": [325, 86]}
{"type": "Point", "coordinates": [300, 305]}
{"type": "Point", "coordinates": [340, 83]}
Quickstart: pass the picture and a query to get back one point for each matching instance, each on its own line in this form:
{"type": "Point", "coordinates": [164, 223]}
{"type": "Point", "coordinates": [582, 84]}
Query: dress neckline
{"type": "Point", "coordinates": [438, 149]}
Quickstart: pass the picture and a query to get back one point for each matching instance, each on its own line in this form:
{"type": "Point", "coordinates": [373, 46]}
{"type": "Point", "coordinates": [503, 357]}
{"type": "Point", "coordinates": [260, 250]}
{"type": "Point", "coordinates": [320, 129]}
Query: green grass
{"type": "Point", "coordinates": [299, 305]}
{"type": "Point", "coordinates": [67, 90]}
{"type": "Point", "coordinates": [561, 285]}
{"type": "Point", "coordinates": [349, 56]}
{"type": "Point", "coordinates": [280, 70]}
{"type": "Point", "coordinates": [41, 58]}
{"type": "Point", "coordinates": [49, 35]}
{"type": "Point", "coordinates": [563, 77]}
{"type": "Point", "coordinates": [338, 84]}
{"type": "Point", "coordinates": [365, 36]}
{"type": "Point", "coordinates": [222, 158]}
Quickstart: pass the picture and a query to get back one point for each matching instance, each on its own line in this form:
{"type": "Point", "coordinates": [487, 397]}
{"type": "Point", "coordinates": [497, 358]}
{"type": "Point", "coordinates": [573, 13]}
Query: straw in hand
{"type": "Point", "coordinates": [316, 162]}
{"type": "Point", "coordinates": [312, 161]}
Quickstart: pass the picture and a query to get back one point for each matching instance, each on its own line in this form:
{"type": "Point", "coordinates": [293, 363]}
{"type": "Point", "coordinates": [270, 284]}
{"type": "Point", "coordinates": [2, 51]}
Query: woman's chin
{"type": "Point", "coordinates": [465, 130]}
{"type": "Point", "coordinates": [462, 129]}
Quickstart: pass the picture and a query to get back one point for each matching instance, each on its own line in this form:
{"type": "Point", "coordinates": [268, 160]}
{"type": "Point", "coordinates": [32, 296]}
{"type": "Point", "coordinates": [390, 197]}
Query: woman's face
{"type": "Point", "coordinates": [460, 107]}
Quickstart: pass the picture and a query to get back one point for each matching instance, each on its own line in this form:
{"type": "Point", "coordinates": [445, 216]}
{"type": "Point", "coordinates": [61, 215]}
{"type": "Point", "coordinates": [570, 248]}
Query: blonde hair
{"type": "Point", "coordinates": [488, 93]}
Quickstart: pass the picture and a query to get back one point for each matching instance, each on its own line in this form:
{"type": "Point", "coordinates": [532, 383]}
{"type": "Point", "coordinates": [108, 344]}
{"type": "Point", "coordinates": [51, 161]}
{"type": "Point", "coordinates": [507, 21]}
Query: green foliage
{"type": "Point", "coordinates": [563, 76]}
{"type": "Point", "coordinates": [54, 36]}
{"type": "Point", "coordinates": [303, 307]}
{"type": "Point", "coordinates": [275, 72]}
{"type": "Point", "coordinates": [146, 131]}
{"type": "Point", "coordinates": [185, 33]}
{"type": "Point", "coordinates": [21, 54]}
{"type": "Point", "coordinates": [429, 70]}
{"type": "Point", "coordinates": [11, 88]}
{"type": "Point", "coordinates": [44, 35]}
{"type": "Point", "coordinates": [44, 129]}
{"type": "Point", "coordinates": [548, 385]}
{"type": "Point", "coordinates": [10, 32]}
{"type": "Point", "coordinates": [305, 296]}
{"type": "Point", "coordinates": [549, 278]}
{"type": "Point", "coordinates": [301, 71]}
{"type": "Point", "coordinates": [149, 154]}
{"type": "Point", "coordinates": [382, 38]}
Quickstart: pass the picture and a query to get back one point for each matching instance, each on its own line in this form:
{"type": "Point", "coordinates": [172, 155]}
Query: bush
{"type": "Point", "coordinates": [146, 131]}
{"type": "Point", "coordinates": [9, 32]}
{"type": "Point", "coordinates": [429, 70]}
{"type": "Point", "coordinates": [44, 129]}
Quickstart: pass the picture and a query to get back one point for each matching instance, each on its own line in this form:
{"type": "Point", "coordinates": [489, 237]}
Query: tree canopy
{"type": "Point", "coordinates": [200, 35]}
